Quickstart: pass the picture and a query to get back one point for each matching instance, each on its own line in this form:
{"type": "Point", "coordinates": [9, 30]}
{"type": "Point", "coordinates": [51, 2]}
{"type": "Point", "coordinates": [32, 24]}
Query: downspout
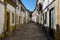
{"type": "Point", "coordinates": [5, 18]}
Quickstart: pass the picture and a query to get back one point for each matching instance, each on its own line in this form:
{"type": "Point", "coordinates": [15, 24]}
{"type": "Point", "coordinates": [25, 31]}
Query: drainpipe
{"type": "Point", "coordinates": [5, 21]}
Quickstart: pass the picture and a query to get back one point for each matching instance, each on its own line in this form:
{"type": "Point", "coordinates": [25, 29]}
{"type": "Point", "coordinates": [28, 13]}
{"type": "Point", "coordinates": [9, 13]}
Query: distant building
{"type": "Point", "coordinates": [27, 16]}
{"type": "Point", "coordinates": [34, 16]}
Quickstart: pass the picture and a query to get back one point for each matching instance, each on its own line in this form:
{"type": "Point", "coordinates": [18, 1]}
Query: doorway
{"type": "Point", "coordinates": [51, 23]}
{"type": "Point", "coordinates": [8, 21]}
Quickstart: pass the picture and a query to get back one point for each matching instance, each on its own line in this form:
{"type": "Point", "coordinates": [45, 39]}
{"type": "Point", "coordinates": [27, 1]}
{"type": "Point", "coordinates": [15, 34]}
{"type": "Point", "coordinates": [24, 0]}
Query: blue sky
{"type": "Point", "coordinates": [29, 4]}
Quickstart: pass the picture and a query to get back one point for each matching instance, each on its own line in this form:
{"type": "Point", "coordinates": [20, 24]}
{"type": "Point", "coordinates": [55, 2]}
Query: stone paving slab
{"type": "Point", "coordinates": [28, 32]}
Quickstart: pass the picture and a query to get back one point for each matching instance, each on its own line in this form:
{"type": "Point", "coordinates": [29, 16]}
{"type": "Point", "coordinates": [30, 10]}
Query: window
{"type": "Point", "coordinates": [22, 9]}
{"type": "Point", "coordinates": [40, 7]}
{"type": "Point", "coordinates": [16, 18]}
{"type": "Point", "coordinates": [52, 15]}
{"type": "Point", "coordinates": [45, 18]}
{"type": "Point", "coordinates": [12, 18]}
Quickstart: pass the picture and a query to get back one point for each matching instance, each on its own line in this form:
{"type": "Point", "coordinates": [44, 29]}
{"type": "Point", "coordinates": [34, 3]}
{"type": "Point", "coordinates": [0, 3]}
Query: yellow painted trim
{"type": "Point", "coordinates": [17, 25]}
{"type": "Point", "coordinates": [57, 11]}
{"type": "Point", "coordinates": [57, 35]}
{"type": "Point", "coordinates": [5, 13]}
{"type": "Point", "coordinates": [1, 35]}
{"type": "Point", "coordinates": [11, 29]}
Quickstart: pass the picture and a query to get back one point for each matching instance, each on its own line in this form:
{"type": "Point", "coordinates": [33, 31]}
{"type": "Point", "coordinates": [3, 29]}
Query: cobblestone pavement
{"type": "Point", "coordinates": [28, 32]}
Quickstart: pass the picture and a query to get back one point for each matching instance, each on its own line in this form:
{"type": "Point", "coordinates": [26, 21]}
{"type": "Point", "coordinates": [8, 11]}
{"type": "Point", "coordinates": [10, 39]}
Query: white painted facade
{"type": "Point", "coordinates": [34, 16]}
{"type": "Point", "coordinates": [17, 14]}
{"type": "Point", "coordinates": [18, 11]}
{"type": "Point", "coordinates": [1, 17]}
{"type": "Point", "coordinates": [22, 15]}
{"type": "Point", "coordinates": [50, 7]}
{"type": "Point", "coordinates": [50, 1]}
{"type": "Point", "coordinates": [27, 17]}
{"type": "Point", "coordinates": [45, 3]}
{"type": "Point", "coordinates": [2, 0]}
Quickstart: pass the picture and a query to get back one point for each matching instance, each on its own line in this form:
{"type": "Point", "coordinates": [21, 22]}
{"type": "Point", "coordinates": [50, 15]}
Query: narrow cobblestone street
{"type": "Point", "coordinates": [28, 32]}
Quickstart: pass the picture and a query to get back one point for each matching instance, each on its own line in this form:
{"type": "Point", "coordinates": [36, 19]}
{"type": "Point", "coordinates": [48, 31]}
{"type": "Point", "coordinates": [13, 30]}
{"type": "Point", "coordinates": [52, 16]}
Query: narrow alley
{"type": "Point", "coordinates": [29, 19]}
{"type": "Point", "coordinates": [28, 32]}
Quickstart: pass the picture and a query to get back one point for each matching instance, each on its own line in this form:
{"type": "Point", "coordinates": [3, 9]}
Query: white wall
{"type": "Point", "coordinates": [18, 13]}
{"type": "Point", "coordinates": [50, 7]}
{"type": "Point", "coordinates": [48, 18]}
{"type": "Point", "coordinates": [34, 19]}
{"type": "Point", "coordinates": [50, 1]}
{"type": "Point", "coordinates": [1, 18]}
{"type": "Point", "coordinates": [12, 24]}
{"type": "Point", "coordinates": [34, 16]}
{"type": "Point", "coordinates": [10, 7]}
{"type": "Point", "coordinates": [27, 17]}
{"type": "Point", "coordinates": [45, 3]}
{"type": "Point", "coordinates": [18, 10]}
{"type": "Point", "coordinates": [23, 16]}
{"type": "Point", "coordinates": [2, 0]}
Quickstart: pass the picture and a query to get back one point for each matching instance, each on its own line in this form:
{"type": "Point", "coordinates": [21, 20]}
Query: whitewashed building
{"type": "Point", "coordinates": [12, 15]}
{"type": "Point", "coordinates": [7, 16]}
{"type": "Point", "coordinates": [50, 17]}
{"type": "Point", "coordinates": [27, 16]}
{"type": "Point", "coordinates": [1, 17]}
{"type": "Point", "coordinates": [34, 16]}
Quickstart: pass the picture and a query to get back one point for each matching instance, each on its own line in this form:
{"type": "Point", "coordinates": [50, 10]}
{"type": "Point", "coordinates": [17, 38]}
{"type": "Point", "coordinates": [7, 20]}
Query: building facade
{"type": "Point", "coordinates": [2, 18]}
{"type": "Point", "coordinates": [27, 16]}
{"type": "Point", "coordinates": [12, 15]}
{"type": "Point", "coordinates": [35, 16]}
{"type": "Point", "coordinates": [50, 17]}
